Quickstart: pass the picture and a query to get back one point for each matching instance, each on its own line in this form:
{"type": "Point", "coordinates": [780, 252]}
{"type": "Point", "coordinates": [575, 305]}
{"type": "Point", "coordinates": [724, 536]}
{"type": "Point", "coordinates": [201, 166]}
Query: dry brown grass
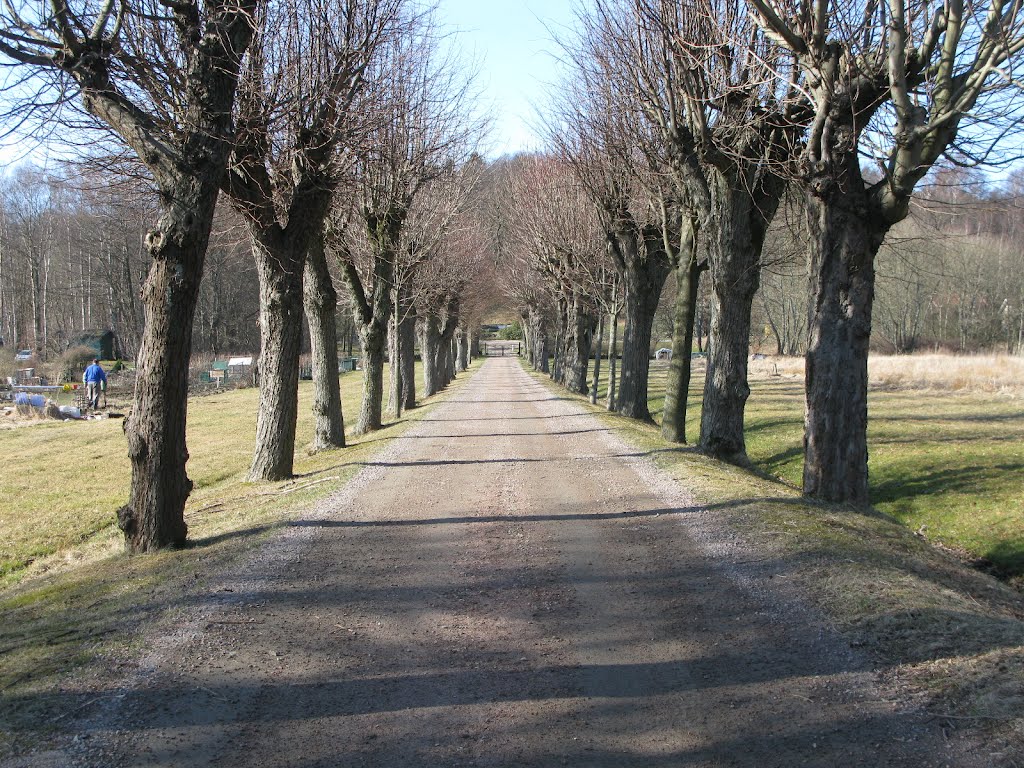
{"type": "Point", "coordinates": [1002, 374]}
{"type": "Point", "coordinates": [992, 374]}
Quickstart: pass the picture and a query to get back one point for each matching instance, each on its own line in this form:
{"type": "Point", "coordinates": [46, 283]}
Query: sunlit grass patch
{"type": "Point", "coordinates": [946, 460]}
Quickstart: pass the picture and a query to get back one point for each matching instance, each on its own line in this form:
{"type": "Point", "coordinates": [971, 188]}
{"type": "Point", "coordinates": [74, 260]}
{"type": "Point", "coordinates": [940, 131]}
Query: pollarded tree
{"type": "Point", "coordinates": [160, 77]}
{"type": "Point", "coordinates": [704, 77]}
{"type": "Point", "coordinates": [894, 86]}
{"type": "Point", "coordinates": [556, 225]}
{"type": "Point", "coordinates": [294, 116]}
{"type": "Point", "coordinates": [437, 228]}
{"type": "Point", "coordinates": [609, 146]}
{"type": "Point", "coordinates": [423, 131]}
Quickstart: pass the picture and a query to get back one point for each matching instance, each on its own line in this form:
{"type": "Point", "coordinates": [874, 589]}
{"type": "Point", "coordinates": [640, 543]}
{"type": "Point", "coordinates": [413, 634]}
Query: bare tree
{"type": "Point", "coordinates": [293, 113]}
{"type": "Point", "coordinates": [607, 143]}
{"type": "Point", "coordinates": [895, 85]}
{"type": "Point", "coordinates": [423, 131]}
{"type": "Point", "coordinates": [723, 128]}
{"type": "Point", "coordinates": [161, 77]}
{"type": "Point", "coordinates": [555, 224]}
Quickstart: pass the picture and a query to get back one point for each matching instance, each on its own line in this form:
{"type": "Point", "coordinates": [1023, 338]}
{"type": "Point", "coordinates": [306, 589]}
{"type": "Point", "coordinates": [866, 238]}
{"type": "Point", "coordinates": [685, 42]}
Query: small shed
{"type": "Point", "coordinates": [102, 342]}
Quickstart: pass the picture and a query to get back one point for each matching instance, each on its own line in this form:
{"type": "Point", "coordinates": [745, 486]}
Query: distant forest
{"type": "Point", "coordinates": [72, 258]}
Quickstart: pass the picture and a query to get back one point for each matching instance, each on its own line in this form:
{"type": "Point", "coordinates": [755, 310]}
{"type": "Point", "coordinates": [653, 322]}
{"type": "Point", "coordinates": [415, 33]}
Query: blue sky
{"type": "Point", "coordinates": [512, 41]}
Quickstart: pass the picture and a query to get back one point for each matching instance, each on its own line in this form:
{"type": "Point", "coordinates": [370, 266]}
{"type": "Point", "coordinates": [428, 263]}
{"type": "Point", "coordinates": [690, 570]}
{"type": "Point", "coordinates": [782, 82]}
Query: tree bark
{"type": "Point", "coordinates": [844, 240]}
{"type": "Point", "coordinates": [688, 270]}
{"type": "Point", "coordinates": [321, 304]}
{"type": "Point", "coordinates": [430, 343]}
{"type": "Point", "coordinates": [446, 343]}
{"type": "Point", "coordinates": [597, 359]}
{"type": "Point", "coordinates": [613, 357]}
{"type": "Point", "coordinates": [280, 274]}
{"type": "Point", "coordinates": [407, 334]}
{"type": "Point", "coordinates": [643, 276]}
{"type": "Point", "coordinates": [643, 289]}
{"type": "Point", "coordinates": [576, 354]}
{"type": "Point", "coordinates": [735, 271]}
{"type": "Point", "coordinates": [154, 516]}
{"type": "Point", "coordinates": [538, 340]}
{"type": "Point", "coordinates": [189, 178]}
{"type": "Point", "coordinates": [463, 346]}
{"type": "Point", "coordinates": [372, 314]}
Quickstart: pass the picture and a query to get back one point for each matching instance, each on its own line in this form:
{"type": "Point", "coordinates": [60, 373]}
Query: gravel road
{"type": "Point", "coordinates": [508, 584]}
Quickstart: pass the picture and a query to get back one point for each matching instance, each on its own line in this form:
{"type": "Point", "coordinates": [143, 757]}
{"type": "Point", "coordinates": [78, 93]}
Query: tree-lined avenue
{"type": "Point", "coordinates": [505, 584]}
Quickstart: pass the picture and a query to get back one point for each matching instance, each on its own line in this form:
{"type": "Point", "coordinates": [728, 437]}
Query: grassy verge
{"type": "Point", "coordinates": [74, 605]}
{"type": "Point", "coordinates": [940, 633]}
{"type": "Point", "coordinates": [946, 463]}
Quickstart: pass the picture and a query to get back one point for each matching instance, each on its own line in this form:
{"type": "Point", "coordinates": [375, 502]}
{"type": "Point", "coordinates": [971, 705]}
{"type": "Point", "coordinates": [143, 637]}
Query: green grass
{"type": "Point", "coordinates": [72, 600]}
{"type": "Point", "coordinates": [63, 481]}
{"type": "Point", "coordinates": [946, 464]}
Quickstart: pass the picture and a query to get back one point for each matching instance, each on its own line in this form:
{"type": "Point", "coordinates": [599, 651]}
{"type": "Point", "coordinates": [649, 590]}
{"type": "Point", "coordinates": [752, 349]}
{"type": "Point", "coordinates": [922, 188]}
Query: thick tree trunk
{"type": "Point", "coordinates": [597, 359]}
{"type": "Point", "coordinates": [643, 289]}
{"type": "Point", "coordinates": [677, 390]}
{"type": "Point", "coordinates": [843, 245]}
{"type": "Point", "coordinates": [430, 342]}
{"type": "Point", "coordinates": [407, 347]}
{"type": "Point", "coordinates": [735, 273]}
{"type": "Point", "coordinates": [373, 340]}
{"type": "Point", "coordinates": [463, 346]}
{"type": "Point", "coordinates": [372, 313]}
{"type": "Point", "coordinates": [280, 275]}
{"type": "Point", "coordinates": [446, 361]}
{"type": "Point", "coordinates": [579, 337]}
{"type": "Point", "coordinates": [613, 357]}
{"type": "Point", "coordinates": [643, 266]}
{"type": "Point", "coordinates": [321, 303]}
{"type": "Point", "coordinates": [154, 516]}
{"type": "Point", "coordinates": [538, 341]}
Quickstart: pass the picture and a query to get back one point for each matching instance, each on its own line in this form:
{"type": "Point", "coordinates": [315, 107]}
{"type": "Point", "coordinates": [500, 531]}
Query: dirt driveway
{"type": "Point", "coordinates": [507, 585]}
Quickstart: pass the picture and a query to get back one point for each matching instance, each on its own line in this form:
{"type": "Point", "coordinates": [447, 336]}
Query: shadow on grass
{"type": "Point", "coordinates": [945, 480]}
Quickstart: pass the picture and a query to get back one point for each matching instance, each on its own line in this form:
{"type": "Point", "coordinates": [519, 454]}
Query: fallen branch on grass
{"type": "Point", "coordinates": [301, 487]}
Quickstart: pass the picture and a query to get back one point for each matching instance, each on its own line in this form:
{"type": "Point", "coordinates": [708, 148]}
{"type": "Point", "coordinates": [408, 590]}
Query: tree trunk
{"type": "Point", "coordinates": [597, 359]}
{"type": "Point", "coordinates": [463, 337]}
{"type": "Point", "coordinates": [372, 339]}
{"type": "Point", "coordinates": [677, 390]}
{"type": "Point", "coordinates": [321, 303]}
{"type": "Point", "coordinates": [430, 345]}
{"type": "Point", "coordinates": [395, 363]}
{"type": "Point", "coordinates": [580, 335]}
{"type": "Point", "coordinates": [538, 341]}
{"type": "Point", "coordinates": [407, 360]}
{"type": "Point", "coordinates": [613, 357]}
{"type": "Point", "coordinates": [154, 516]}
{"type": "Point", "coordinates": [843, 245]}
{"type": "Point", "coordinates": [446, 343]}
{"type": "Point", "coordinates": [735, 271]}
{"type": "Point", "coordinates": [644, 266]}
{"type": "Point", "coordinates": [280, 274]}
{"type": "Point", "coordinates": [556, 372]}
{"type": "Point", "coordinates": [642, 293]}
{"type": "Point", "coordinates": [372, 313]}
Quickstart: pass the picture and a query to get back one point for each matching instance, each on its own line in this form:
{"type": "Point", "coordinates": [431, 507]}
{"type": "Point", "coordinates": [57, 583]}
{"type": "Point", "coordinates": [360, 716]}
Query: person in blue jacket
{"type": "Point", "coordinates": [95, 382]}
